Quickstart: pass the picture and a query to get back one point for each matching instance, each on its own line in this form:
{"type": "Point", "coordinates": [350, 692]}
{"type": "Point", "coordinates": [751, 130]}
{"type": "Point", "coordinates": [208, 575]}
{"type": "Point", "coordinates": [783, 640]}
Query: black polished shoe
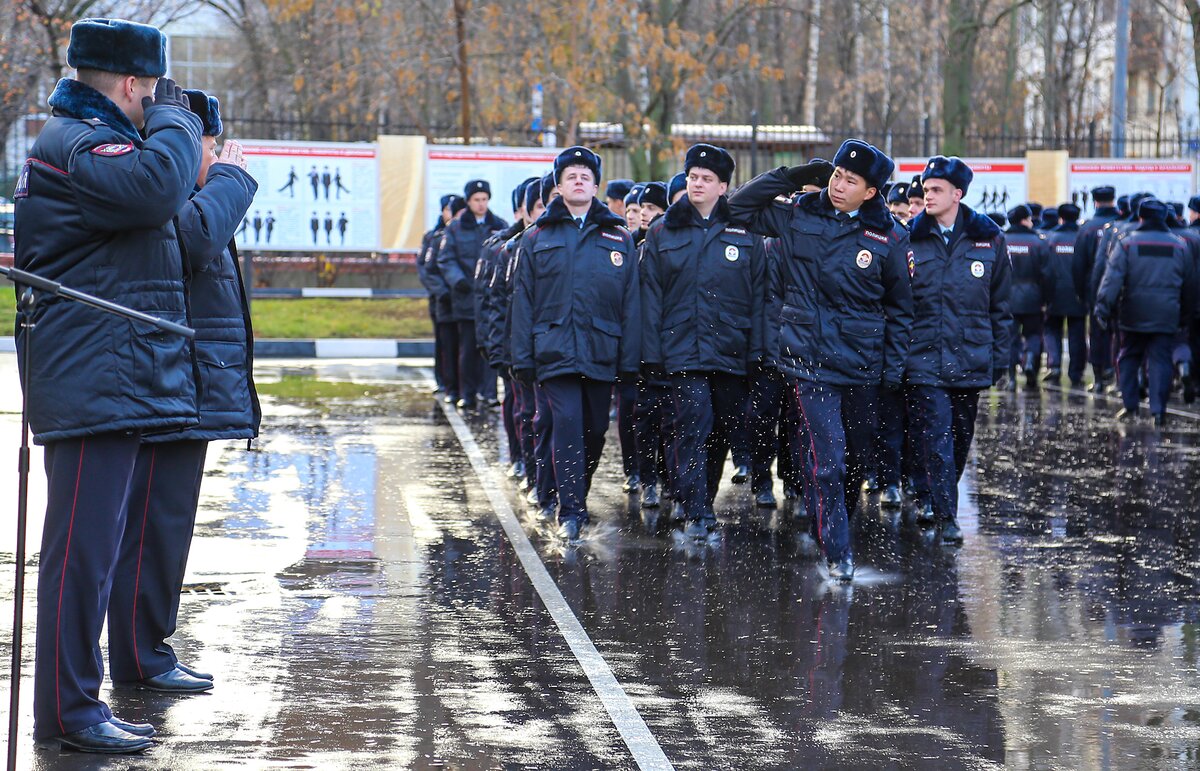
{"type": "Point", "coordinates": [952, 533]}
{"type": "Point", "coordinates": [741, 475]}
{"type": "Point", "coordinates": [104, 738]}
{"type": "Point", "coordinates": [890, 498]}
{"type": "Point", "coordinates": [1097, 387]}
{"type": "Point", "coordinates": [1160, 419]}
{"type": "Point", "coordinates": [871, 483]}
{"type": "Point", "coordinates": [1053, 375]}
{"type": "Point", "coordinates": [569, 530]}
{"type": "Point", "coordinates": [698, 529]}
{"type": "Point", "coordinates": [467, 405]}
{"type": "Point", "coordinates": [843, 571]}
{"type": "Point", "coordinates": [1127, 415]}
{"type": "Point", "coordinates": [925, 514]}
{"type": "Point", "coordinates": [192, 672]}
{"type": "Point", "coordinates": [137, 729]}
{"type": "Point", "coordinates": [172, 681]}
{"type": "Point", "coordinates": [650, 496]}
{"type": "Point", "coordinates": [765, 499]}
{"type": "Point", "coordinates": [531, 496]}
{"type": "Point", "coordinates": [516, 470]}
{"type": "Point", "coordinates": [677, 514]}
{"type": "Point", "coordinates": [549, 512]}
{"type": "Point", "coordinates": [631, 484]}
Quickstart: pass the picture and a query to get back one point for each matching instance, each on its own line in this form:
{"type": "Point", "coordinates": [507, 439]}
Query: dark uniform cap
{"type": "Point", "coordinates": [655, 193]}
{"type": "Point", "coordinates": [519, 192]}
{"type": "Point", "coordinates": [1035, 209]}
{"type": "Point", "coordinates": [477, 186]}
{"type": "Point", "coordinates": [951, 169]}
{"type": "Point", "coordinates": [678, 184]}
{"type": "Point", "coordinates": [1049, 217]}
{"type": "Point", "coordinates": [617, 189]}
{"type": "Point", "coordinates": [1104, 193]}
{"type": "Point", "coordinates": [447, 200]}
{"type": "Point", "coordinates": [549, 184]}
{"type": "Point", "coordinates": [634, 192]}
{"type": "Point", "coordinates": [533, 194]}
{"type": "Point", "coordinates": [1019, 212]}
{"type": "Point", "coordinates": [715, 159]}
{"type": "Point", "coordinates": [577, 156]}
{"type": "Point", "coordinates": [457, 204]}
{"type": "Point", "coordinates": [116, 45]}
{"type": "Point", "coordinates": [1123, 204]}
{"type": "Point", "coordinates": [898, 193]}
{"type": "Point", "coordinates": [208, 109]}
{"type": "Point", "coordinates": [915, 190]}
{"type": "Point", "coordinates": [1152, 210]}
{"type": "Point", "coordinates": [866, 161]}
{"type": "Point", "coordinates": [998, 218]}
{"type": "Point", "coordinates": [1194, 204]}
{"type": "Point", "coordinates": [1069, 212]}
{"type": "Point", "coordinates": [1177, 206]}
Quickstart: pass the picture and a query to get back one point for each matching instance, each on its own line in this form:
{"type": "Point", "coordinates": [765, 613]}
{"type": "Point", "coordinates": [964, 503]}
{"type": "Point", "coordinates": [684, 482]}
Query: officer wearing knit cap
{"type": "Point", "coordinates": [1030, 291]}
{"type": "Point", "coordinates": [94, 206]}
{"type": "Point", "coordinates": [677, 187]}
{"type": "Point", "coordinates": [1065, 307]}
{"type": "Point", "coordinates": [694, 257]}
{"type": "Point", "coordinates": [1086, 254]}
{"type": "Point", "coordinates": [1148, 292]}
{"type": "Point", "coordinates": [575, 324]}
{"type": "Point", "coordinates": [960, 283]}
{"type": "Point", "coordinates": [846, 315]}
{"type": "Point", "coordinates": [614, 195]}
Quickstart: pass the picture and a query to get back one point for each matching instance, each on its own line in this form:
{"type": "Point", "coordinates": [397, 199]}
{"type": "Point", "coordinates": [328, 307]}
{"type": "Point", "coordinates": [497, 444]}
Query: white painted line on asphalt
{"type": "Point", "coordinates": [629, 723]}
{"type": "Point", "coordinates": [1114, 398]}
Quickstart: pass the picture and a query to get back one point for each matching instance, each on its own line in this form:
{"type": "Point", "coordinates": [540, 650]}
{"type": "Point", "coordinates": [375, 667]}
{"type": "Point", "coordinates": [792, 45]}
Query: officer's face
{"type": "Point", "coordinates": [704, 187]}
{"type": "Point", "coordinates": [478, 203]}
{"type": "Point", "coordinates": [649, 212]}
{"type": "Point", "coordinates": [848, 191]}
{"type": "Point", "coordinates": [1192, 216]}
{"type": "Point", "coordinates": [940, 197]}
{"type": "Point", "coordinates": [447, 215]}
{"type": "Point", "coordinates": [633, 216]}
{"type": "Point", "coordinates": [208, 154]}
{"type": "Point", "coordinates": [578, 186]}
{"type": "Point", "coordinates": [537, 211]}
{"type": "Point", "coordinates": [616, 206]}
{"type": "Point", "coordinates": [133, 90]}
{"type": "Point", "coordinates": [915, 206]}
{"type": "Point", "coordinates": [900, 209]}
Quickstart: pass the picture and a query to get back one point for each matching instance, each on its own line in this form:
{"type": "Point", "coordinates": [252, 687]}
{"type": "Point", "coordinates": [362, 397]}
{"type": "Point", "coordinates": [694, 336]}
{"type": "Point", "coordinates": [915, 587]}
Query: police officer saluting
{"type": "Point", "coordinates": [960, 285]}
{"type": "Point", "coordinates": [576, 323]}
{"type": "Point", "coordinates": [1148, 291]}
{"type": "Point", "coordinates": [845, 306]}
{"type": "Point", "coordinates": [703, 292]}
{"type": "Point", "coordinates": [94, 210]}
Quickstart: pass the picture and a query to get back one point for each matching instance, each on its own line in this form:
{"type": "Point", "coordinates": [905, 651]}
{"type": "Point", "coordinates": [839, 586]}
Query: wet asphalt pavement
{"type": "Point", "coordinates": [353, 590]}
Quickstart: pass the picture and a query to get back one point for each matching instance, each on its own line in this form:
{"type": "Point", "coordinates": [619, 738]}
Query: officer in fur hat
{"type": "Point", "coordinates": [104, 180]}
{"type": "Point", "coordinates": [846, 312]}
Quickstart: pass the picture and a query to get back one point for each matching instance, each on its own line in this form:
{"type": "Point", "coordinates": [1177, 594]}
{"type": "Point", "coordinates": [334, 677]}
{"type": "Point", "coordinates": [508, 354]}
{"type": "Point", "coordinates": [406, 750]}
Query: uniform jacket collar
{"type": "Point", "coordinates": [682, 214]}
{"type": "Point", "coordinates": [490, 221]}
{"type": "Point", "coordinates": [1106, 211]}
{"type": "Point", "coordinates": [598, 214]}
{"type": "Point", "coordinates": [1021, 229]}
{"type": "Point", "coordinates": [1067, 227]}
{"type": "Point", "coordinates": [976, 226]}
{"type": "Point", "coordinates": [73, 99]}
{"type": "Point", "coordinates": [874, 213]}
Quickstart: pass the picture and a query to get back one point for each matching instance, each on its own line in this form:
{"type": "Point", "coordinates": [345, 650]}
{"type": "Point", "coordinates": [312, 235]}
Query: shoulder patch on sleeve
{"type": "Point", "coordinates": [112, 150]}
{"type": "Point", "coordinates": [612, 236]}
{"type": "Point", "coordinates": [22, 190]}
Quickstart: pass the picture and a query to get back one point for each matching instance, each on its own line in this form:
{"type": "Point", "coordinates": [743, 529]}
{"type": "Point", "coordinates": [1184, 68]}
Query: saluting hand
{"type": "Point", "coordinates": [231, 153]}
{"type": "Point", "coordinates": [167, 93]}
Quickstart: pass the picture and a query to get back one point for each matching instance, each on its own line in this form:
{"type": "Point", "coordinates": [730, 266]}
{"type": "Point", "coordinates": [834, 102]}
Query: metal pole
{"type": "Point", "coordinates": [25, 308]}
{"type": "Point", "coordinates": [753, 143]}
{"type": "Point", "coordinates": [1120, 83]}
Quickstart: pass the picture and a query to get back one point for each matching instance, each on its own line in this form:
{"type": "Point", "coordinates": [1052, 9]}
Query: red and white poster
{"type": "Point", "coordinates": [312, 196]}
{"type": "Point", "coordinates": [448, 169]}
{"type": "Point", "coordinates": [1167, 179]}
{"type": "Point", "coordinates": [999, 183]}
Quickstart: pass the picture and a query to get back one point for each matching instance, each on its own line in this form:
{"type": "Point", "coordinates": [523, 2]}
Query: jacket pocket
{"type": "Point", "coordinates": [797, 330]}
{"type": "Point", "coordinates": [975, 351]}
{"type": "Point", "coordinates": [862, 345]}
{"type": "Point", "coordinates": [550, 342]}
{"type": "Point", "coordinates": [161, 365]}
{"type": "Point", "coordinates": [223, 386]}
{"type": "Point", "coordinates": [733, 335]}
{"type": "Point", "coordinates": [605, 340]}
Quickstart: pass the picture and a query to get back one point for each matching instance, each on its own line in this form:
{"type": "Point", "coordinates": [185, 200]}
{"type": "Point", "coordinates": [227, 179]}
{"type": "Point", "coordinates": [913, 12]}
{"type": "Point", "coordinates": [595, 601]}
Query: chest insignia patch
{"type": "Point", "coordinates": [617, 258]}
{"type": "Point", "coordinates": [977, 269]}
{"type": "Point", "coordinates": [611, 236]}
{"type": "Point", "coordinates": [864, 259]}
{"type": "Point", "coordinates": [880, 237]}
{"type": "Point", "coordinates": [912, 265]}
{"type": "Point", "coordinates": [112, 151]}
{"type": "Point", "coordinates": [983, 244]}
{"type": "Point", "coordinates": [732, 253]}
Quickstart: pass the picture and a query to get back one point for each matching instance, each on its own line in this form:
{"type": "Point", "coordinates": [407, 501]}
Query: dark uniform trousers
{"type": "Point", "coordinates": [1027, 328]}
{"type": "Point", "coordinates": [524, 408]}
{"type": "Point", "coordinates": [653, 425]}
{"type": "Point", "coordinates": [543, 425]}
{"type": "Point", "coordinates": [768, 425]}
{"type": "Point", "coordinates": [88, 483]}
{"type": "Point", "coordinates": [708, 406]}
{"type": "Point", "coordinates": [579, 409]}
{"type": "Point", "coordinates": [1076, 344]}
{"type": "Point", "coordinates": [508, 413]}
{"type": "Point", "coordinates": [438, 366]}
{"type": "Point", "coordinates": [1153, 350]}
{"type": "Point", "coordinates": [1100, 350]}
{"type": "Point", "coordinates": [626, 394]}
{"type": "Point", "coordinates": [446, 354]}
{"type": "Point", "coordinates": [160, 518]}
{"type": "Point", "coordinates": [943, 427]}
{"type": "Point", "coordinates": [893, 437]}
{"type": "Point", "coordinates": [470, 363]}
{"type": "Point", "coordinates": [837, 428]}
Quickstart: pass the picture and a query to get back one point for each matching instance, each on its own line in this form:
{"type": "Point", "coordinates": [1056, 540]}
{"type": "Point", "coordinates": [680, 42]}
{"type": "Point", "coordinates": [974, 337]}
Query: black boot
{"type": "Point", "coordinates": [650, 496]}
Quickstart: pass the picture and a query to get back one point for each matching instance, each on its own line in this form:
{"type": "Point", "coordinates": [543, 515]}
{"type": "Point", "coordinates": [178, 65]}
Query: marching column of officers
{"type": "Point", "coordinates": [819, 317]}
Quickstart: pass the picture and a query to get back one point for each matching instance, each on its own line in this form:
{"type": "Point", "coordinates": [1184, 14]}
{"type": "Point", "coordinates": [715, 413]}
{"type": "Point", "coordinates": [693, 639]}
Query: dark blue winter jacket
{"type": "Point", "coordinates": [1030, 256]}
{"type": "Point", "coordinates": [95, 205]}
{"type": "Point", "coordinates": [1148, 284]}
{"type": "Point", "coordinates": [1064, 300]}
{"type": "Point", "coordinates": [462, 241]}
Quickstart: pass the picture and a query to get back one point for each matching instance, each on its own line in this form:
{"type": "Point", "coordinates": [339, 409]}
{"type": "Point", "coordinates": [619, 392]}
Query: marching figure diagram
{"type": "Point", "coordinates": [342, 223]}
{"type": "Point", "coordinates": [326, 181]}
{"type": "Point", "coordinates": [337, 183]}
{"type": "Point", "coordinates": [270, 225]}
{"type": "Point", "coordinates": [328, 228]}
{"type": "Point", "coordinates": [242, 230]}
{"type": "Point", "coordinates": [314, 177]}
{"type": "Point", "coordinates": [315, 225]}
{"type": "Point", "coordinates": [997, 200]}
{"type": "Point", "coordinates": [258, 225]}
{"type": "Point", "coordinates": [291, 183]}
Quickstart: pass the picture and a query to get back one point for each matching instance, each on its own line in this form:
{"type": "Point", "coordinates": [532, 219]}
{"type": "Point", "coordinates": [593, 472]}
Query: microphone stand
{"type": "Point", "coordinates": [27, 284]}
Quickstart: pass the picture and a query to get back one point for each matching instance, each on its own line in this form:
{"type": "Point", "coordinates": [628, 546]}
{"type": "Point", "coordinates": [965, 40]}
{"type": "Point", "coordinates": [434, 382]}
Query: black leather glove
{"type": "Point", "coordinates": [462, 286]}
{"type": "Point", "coordinates": [167, 93]}
{"type": "Point", "coordinates": [817, 172]}
{"type": "Point", "coordinates": [524, 375]}
{"type": "Point", "coordinates": [655, 372]}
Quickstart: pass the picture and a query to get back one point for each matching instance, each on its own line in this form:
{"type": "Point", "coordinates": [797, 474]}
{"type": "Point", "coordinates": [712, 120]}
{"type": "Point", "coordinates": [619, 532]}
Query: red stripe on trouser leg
{"type": "Point", "coordinates": [813, 451]}
{"type": "Point", "coordinates": [62, 583]}
{"type": "Point", "coordinates": [137, 577]}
